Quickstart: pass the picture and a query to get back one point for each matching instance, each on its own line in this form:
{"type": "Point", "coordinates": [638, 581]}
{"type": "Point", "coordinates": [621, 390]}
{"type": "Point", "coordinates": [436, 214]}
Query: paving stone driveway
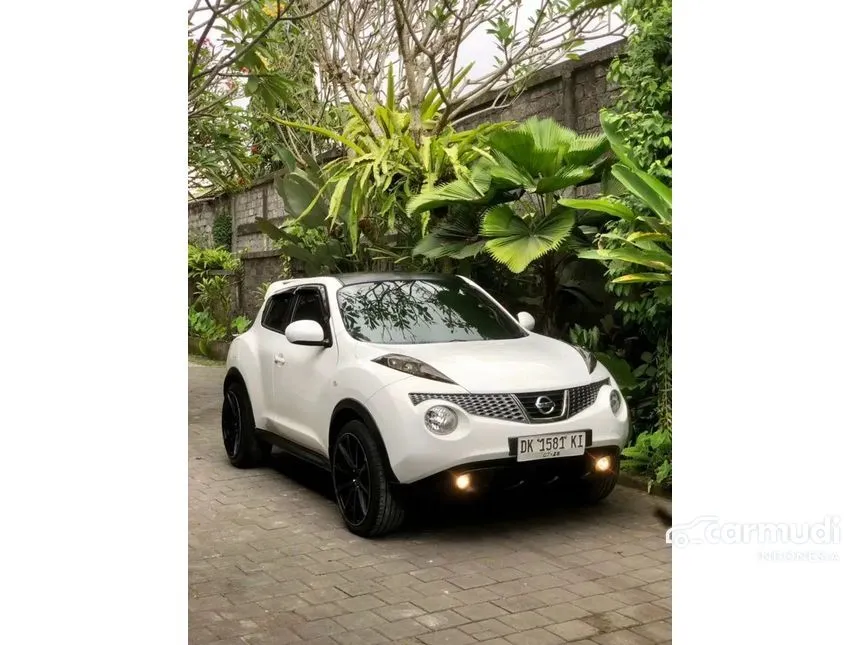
{"type": "Point", "coordinates": [269, 562]}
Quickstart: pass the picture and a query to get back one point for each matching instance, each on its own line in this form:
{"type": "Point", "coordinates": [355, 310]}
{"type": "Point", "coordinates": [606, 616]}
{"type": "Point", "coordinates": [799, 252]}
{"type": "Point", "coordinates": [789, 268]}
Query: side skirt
{"type": "Point", "coordinates": [300, 452]}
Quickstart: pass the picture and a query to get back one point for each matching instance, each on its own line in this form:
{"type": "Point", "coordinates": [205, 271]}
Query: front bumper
{"type": "Point", "coordinates": [415, 453]}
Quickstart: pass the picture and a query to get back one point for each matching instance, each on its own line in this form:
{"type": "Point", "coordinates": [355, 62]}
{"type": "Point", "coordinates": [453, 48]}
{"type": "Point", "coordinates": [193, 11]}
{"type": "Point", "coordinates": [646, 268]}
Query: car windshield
{"type": "Point", "coordinates": [412, 311]}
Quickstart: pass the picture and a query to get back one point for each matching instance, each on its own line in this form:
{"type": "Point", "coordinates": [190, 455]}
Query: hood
{"type": "Point", "coordinates": [527, 364]}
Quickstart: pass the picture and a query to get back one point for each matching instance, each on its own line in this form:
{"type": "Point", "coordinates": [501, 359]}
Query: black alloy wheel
{"type": "Point", "coordinates": [243, 446]}
{"type": "Point", "coordinates": [368, 497]}
{"type": "Point", "coordinates": [351, 479]}
{"type": "Point", "coordinates": [231, 424]}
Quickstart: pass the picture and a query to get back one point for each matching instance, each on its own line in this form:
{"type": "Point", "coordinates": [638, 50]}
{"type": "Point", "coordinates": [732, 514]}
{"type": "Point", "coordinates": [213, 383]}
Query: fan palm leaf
{"type": "Point", "coordinates": [516, 242]}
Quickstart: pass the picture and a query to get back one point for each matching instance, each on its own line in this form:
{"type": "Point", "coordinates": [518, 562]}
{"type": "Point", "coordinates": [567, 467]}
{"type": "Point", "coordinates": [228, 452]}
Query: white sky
{"type": "Point", "coordinates": [480, 47]}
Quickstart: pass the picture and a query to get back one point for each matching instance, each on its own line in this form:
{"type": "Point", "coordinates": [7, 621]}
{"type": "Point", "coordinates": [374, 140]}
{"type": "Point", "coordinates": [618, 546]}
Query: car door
{"type": "Point", "coordinates": [272, 342]}
{"type": "Point", "coordinates": [302, 382]}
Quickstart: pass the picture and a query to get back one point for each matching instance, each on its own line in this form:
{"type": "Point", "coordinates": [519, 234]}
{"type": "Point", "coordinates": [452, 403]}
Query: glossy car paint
{"type": "Point", "coordinates": [294, 389]}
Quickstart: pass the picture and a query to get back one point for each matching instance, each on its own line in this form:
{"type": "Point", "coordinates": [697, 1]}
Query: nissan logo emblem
{"type": "Point", "coordinates": [544, 405]}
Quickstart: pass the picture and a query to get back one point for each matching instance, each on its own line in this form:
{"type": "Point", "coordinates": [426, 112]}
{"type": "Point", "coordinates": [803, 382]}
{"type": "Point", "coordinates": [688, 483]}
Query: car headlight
{"type": "Point", "coordinates": [589, 358]}
{"type": "Point", "coordinates": [615, 401]}
{"type": "Point", "coordinates": [440, 420]}
{"type": "Point", "coordinates": [411, 366]}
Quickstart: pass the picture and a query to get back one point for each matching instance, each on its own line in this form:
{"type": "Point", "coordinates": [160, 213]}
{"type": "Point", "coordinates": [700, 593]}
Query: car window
{"type": "Point", "coordinates": [277, 312]}
{"type": "Point", "coordinates": [309, 306]}
{"type": "Point", "coordinates": [422, 311]}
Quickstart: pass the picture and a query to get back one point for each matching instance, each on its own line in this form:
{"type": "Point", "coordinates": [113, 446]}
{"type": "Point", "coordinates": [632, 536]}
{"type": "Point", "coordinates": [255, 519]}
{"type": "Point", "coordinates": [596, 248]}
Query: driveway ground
{"type": "Point", "coordinates": [270, 562]}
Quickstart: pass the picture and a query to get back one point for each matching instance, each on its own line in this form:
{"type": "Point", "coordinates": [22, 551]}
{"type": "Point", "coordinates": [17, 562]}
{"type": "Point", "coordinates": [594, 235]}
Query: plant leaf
{"type": "Point", "coordinates": [331, 134]}
{"type": "Point", "coordinates": [602, 205]}
{"type": "Point", "coordinates": [643, 277]}
{"type": "Point", "coordinates": [571, 176]}
{"type": "Point", "coordinates": [634, 182]}
{"type": "Point", "coordinates": [516, 243]}
{"type": "Point", "coordinates": [653, 259]}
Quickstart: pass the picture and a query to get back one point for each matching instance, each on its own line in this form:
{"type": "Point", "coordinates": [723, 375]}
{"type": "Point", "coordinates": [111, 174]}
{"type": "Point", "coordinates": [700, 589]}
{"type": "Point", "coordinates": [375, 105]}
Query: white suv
{"type": "Point", "coordinates": [387, 380]}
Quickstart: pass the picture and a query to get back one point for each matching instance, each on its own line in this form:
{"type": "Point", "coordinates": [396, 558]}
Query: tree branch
{"type": "Point", "coordinates": [241, 50]}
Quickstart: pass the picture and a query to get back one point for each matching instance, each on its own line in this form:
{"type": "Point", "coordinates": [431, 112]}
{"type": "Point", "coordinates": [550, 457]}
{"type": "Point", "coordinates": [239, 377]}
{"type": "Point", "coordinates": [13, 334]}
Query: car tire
{"type": "Point", "coordinates": [243, 447]}
{"type": "Point", "coordinates": [368, 503]}
{"type": "Point", "coordinates": [595, 488]}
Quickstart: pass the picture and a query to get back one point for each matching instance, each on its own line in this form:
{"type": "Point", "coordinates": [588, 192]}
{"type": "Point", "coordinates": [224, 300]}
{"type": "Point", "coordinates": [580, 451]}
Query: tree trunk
{"type": "Point", "coordinates": [550, 294]}
{"type": "Point", "coordinates": [412, 72]}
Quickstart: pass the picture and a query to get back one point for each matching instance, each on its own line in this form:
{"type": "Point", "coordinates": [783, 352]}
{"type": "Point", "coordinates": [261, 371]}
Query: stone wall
{"type": "Point", "coordinates": [260, 268]}
{"type": "Point", "coordinates": [571, 92]}
{"type": "Point", "coordinates": [201, 218]}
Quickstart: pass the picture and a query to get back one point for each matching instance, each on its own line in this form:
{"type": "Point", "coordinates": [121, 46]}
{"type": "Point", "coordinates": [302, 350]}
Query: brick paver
{"type": "Point", "coordinates": [270, 562]}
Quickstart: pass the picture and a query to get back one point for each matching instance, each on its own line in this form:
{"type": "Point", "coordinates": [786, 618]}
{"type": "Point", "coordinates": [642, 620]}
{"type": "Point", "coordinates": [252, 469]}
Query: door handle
{"type": "Point", "coordinates": [279, 359]}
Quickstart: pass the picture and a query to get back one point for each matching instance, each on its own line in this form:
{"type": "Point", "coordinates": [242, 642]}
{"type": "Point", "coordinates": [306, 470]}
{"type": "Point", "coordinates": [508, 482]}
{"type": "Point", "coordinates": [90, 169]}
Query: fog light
{"type": "Point", "coordinates": [615, 401]}
{"type": "Point", "coordinates": [603, 464]}
{"type": "Point", "coordinates": [463, 482]}
{"type": "Point", "coordinates": [440, 420]}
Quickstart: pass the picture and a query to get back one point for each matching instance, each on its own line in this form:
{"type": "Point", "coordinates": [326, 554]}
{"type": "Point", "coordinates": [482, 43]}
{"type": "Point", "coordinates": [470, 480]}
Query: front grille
{"type": "Point", "coordinates": [584, 396]}
{"type": "Point", "coordinates": [557, 411]}
{"type": "Point", "coordinates": [494, 406]}
{"type": "Point", "coordinates": [521, 407]}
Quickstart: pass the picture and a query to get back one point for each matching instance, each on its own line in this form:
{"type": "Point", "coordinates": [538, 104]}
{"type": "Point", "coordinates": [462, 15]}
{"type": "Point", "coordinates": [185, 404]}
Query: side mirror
{"type": "Point", "coordinates": [306, 332]}
{"type": "Point", "coordinates": [526, 320]}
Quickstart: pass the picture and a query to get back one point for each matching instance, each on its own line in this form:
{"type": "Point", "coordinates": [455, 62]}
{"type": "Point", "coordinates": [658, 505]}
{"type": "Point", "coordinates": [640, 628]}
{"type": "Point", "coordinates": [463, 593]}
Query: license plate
{"type": "Point", "coordinates": [548, 446]}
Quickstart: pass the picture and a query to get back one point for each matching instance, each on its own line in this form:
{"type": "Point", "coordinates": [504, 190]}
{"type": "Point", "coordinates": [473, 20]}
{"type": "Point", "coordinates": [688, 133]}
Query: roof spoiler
{"type": "Point", "coordinates": [277, 286]}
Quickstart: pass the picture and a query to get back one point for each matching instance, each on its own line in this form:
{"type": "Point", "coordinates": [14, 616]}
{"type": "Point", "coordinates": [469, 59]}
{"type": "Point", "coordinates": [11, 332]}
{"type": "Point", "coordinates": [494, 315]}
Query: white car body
{"type": "Point", "coordinates": [297, 399]}
{"type": "Point", "coordinates": [298, 392]}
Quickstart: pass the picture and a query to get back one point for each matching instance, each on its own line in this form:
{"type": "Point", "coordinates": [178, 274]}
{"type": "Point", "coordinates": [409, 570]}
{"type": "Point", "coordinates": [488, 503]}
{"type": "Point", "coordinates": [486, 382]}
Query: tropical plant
{"type": "Point", "coordinates": [648, 241]}
{"type": "Point", "coordinates": [643, 74]}
{"type": "Point", "coordinates": [222, 230]}
{"type": "Point", "coordinates": [236, 50]}
{"type": "Point", "coordinates": [509, 204]}
{"type": "Point", "coordinates": [240, 324]}
{"type": "Point", "coordinates": [592, 339]}
{"type": "Point", "coordinates": [212, 294]}
{"type": "Point", "coordinates": [202, 260]}
{"type": "Point", "coordinates": [202, 325]}
{"type": "Point", "coordinates": [360, 197]}
{"type": "Point", "coordinates": [650, 455]}
{"type": "Point", "coordinates": [385, 165]}
{"type": "Point", "coordinates": [638, 252]}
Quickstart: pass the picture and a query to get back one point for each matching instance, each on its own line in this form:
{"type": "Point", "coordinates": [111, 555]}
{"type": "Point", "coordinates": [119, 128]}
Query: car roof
{"type": "Point", "coordinates": [385, 276]}
{"type": "Point", "coordinates": [346, 279]}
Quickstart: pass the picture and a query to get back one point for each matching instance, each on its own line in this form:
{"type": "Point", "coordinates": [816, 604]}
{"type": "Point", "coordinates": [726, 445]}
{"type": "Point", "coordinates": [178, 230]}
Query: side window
{"type": "Point", "coordinates": [277, 312]}
{"type": "Point", "coordinates": [309, 306]}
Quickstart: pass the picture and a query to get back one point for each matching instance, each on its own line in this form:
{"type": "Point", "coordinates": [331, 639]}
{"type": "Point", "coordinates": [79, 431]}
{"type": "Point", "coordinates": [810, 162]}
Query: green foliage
{"type": "Point", "coordinates": [202, 260]}
{"type": "Point", "coordinates": [349, 214]}
{"type": "Point", "coordinates": [259, 54]}
{"type": "Point", "coordinates": [650, 455]}
{"type": "Point", "coordinates": [209, 313]}
{"type": "Point", "coordinates": [644, 76]}
{"type": "Point", "coordinates": [646, 240]}
{"type": "Point", "coordinates": [222, 231]}
{"type": "Point", "coordinates": [515, 190]}
{"type": "Point", "coordinates": [240, 324]}
{"type": "Point", "coordinates": [213, 295]}
{"type": "Point", "coordinates": [322, 252]}
{"type": "Point", "coordinates": [202, 325]}
{"type": "Point", "coordinates": [592, 340]}
{"type": "Point", "coordinates": [385, 165]}
{"type": "Point", "coordinates": [507, 204]}
{"type": "Point", "coordinates": [637, 250]}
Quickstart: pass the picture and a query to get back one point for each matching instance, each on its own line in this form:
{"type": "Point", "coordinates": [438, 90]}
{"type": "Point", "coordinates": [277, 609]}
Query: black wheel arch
{"type": "Point", "coordinates": [349, 410]}
{"type": "Point", "coordinates": [233, 376]}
